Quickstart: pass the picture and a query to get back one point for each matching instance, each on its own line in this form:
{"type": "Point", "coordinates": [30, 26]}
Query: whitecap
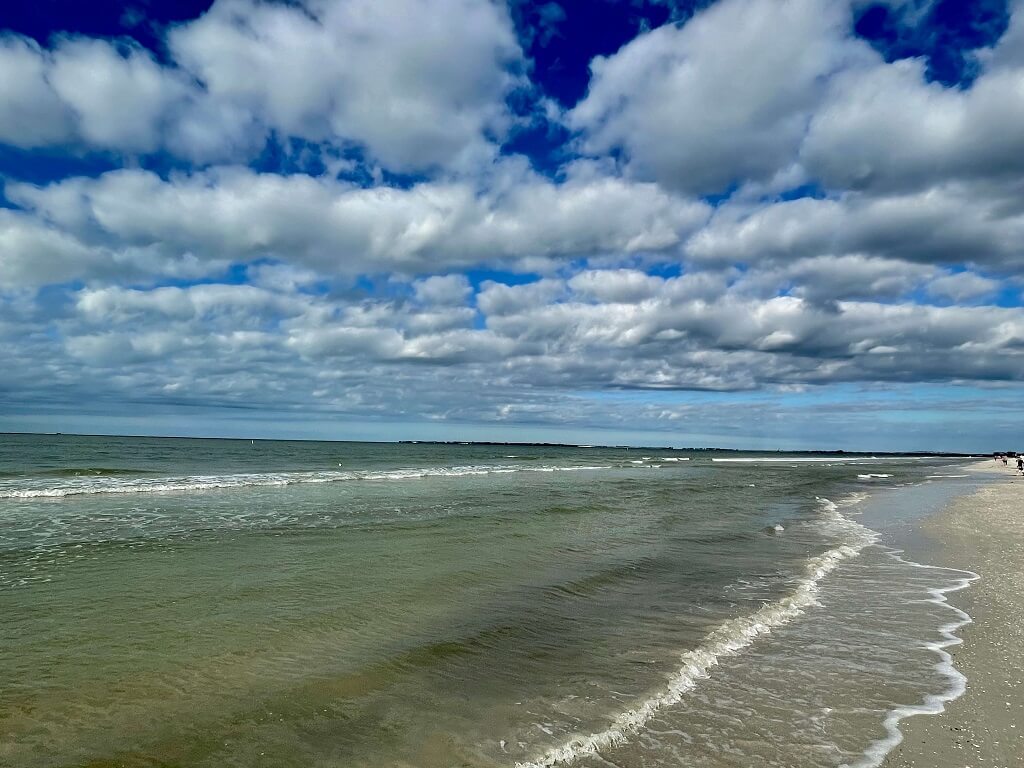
{"type": "Point", "coordinates": [113, 485]}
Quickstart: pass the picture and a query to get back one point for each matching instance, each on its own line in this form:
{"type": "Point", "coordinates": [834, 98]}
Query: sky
{"type": "Point", "coordinates": [793, 224]}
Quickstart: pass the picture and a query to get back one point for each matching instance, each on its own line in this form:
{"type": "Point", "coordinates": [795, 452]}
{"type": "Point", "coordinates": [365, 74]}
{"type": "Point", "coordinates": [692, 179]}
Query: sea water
{"type": "Point", "coordinates": [220, 603]}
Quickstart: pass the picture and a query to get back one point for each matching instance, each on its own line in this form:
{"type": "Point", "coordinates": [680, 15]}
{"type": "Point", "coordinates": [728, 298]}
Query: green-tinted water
{"type": "Point", "coordinates": [227, 603]}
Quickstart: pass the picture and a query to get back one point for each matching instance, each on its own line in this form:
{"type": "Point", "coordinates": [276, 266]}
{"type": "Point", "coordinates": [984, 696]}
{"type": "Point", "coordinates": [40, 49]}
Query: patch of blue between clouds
{"type": "Point", "coordinates": [945, 32]}
{"type": "Point", "coordinates": [142, 21]}
{"type": "Point", "coordinates": [546, 144]}
{"type": "Point", "coordinates": [477, 277]}
{"type": "Point", "coordinates": [812, 190]}
{"type": "Point", "coordinates": [290, 156]}
{"type": "Point", "coordinates": [42, 166]}
{"type": "Point", "coordinates": [562, 38]}
{"type": "Point", "coordinates": [56, 302]}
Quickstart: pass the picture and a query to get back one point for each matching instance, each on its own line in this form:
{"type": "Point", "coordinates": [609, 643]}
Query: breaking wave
{"type": "Point", "coordinates": [108, 484]}
{"type": "Point", "coordinates": [728, 638]}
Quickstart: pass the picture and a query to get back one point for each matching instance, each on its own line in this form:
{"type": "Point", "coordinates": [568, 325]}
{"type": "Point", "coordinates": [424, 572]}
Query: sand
{"type": "Point", "coordinates": [983, 532]}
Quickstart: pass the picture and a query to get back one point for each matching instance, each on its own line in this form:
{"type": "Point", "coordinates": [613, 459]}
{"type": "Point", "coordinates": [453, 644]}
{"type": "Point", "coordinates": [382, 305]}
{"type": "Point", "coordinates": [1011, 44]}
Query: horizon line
{"type": "Point", "coordinates": [953, 454]}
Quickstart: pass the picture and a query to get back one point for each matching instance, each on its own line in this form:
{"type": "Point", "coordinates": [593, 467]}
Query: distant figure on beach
{"type": "Point", "coordinates": [1020, 463]}
{"type": "Point", "coordinates": [1004, 461]}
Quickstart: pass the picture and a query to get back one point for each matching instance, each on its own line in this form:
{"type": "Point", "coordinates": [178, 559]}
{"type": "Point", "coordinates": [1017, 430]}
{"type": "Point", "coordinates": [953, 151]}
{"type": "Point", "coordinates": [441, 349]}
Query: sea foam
{"type": "Point", "coordinates": [107, 485]}
{"type": "Point", "coordinates": [818, 459]}
{"type": "Point", "coordinates": [728, 638]}
{"type": "Point", "coordinates": [933, 703]}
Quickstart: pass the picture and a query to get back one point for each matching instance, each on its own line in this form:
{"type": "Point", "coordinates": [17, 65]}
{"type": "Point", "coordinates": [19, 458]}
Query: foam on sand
{"type": "Point", "coordinates": [933, 703]}
{"type": "Point", "coordinates": [728, 638]}
{"type": "Point", "coordinates": [733, 636]}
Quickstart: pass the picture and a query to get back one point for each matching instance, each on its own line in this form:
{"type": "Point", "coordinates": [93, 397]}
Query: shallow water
{"type": "Point", "coordinates": [227, 603]}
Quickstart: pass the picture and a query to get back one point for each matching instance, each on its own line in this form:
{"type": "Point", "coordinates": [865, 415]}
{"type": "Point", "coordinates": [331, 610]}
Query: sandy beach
{"type": "Point", "coordinates": [983, 532]}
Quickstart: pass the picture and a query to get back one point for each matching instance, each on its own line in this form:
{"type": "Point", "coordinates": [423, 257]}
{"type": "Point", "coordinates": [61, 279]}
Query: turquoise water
{"type": "Point", "coordinates": [234, 603]}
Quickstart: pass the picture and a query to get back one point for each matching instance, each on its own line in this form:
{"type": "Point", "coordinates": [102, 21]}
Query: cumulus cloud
{"type": "Point", "coordinates": [336, 227]}
{"type": "Point", "coordinates": [33, 254]}
{"type": "Point", "coordinates": [95, 93]}
{"type": "Point", "coordinates": [33, 114]}
{"type": "Point", "coordinates": [372, 74]}
{"type": "Point", "coordinates": [96, 80]}
{"type": "Point", "coordinates": [949, 224]}
{"type": "Point", "coordinates": [443, 289]}
{"type": "Point", "coordinates": [721, 99]}
{"type": "Point", "coordinates": [887, 128]}
{"type": "Point", "coordinates": [661, 333]}
{"type": "Point", "coordinates": [381, 74]}
{"type": "Point", "coordinates": [963, 287]}
{"type": "Point", "coordinates": [751, 90]}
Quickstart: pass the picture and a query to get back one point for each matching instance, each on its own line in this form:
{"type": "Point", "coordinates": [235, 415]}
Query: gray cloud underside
{"type": "Point", "coordinates": [597, 330]}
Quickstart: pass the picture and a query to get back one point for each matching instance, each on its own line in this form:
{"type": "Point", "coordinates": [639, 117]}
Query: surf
{"type": "Point", "coordinates": [109, 485]}
{"type": "Point", "coordinates": [729, 638]}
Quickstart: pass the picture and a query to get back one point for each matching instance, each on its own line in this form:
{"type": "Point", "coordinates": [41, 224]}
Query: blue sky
{"type": "Point", "coordinates": [764, 223]}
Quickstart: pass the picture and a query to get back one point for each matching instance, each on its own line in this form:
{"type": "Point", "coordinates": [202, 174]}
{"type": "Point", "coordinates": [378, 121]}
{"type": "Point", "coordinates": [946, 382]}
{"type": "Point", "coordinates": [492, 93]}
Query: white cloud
{"type": "Point", "coordinates": [951, 224]}
{"type": "Point", "coordinates": [963, 287]}
{"type": "Point", "coordinates": [553, 333]}
{"type": "Point", "coordinates": [33, 115]}
{"type": "Point", "coordinates": [443, 289]}
{"type": "Point", "coordinates": [33, 254]}
{"type": "Point", "coordinates": [382, 74]}
{"type": "Point", "coordinates": [752, 89]}
{"type": "Point", "coordinates": [120, 98]}
{"type": "Point", "coordinates": [338, 228]}
{"type": "Point", "coordinates": [234, 303]}
{"type": "Point", "coordinates": [886, 128]}
{"type": "Point", "coordinates": [88, 92]}
{"type": "Point", "coordinates": [724, 98]}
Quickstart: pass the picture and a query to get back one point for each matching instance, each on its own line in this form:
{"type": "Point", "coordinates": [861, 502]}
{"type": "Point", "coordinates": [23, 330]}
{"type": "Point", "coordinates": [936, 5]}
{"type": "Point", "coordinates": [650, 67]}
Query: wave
{"type": "Point", "coordinates": [110, 485]}
{"type": "Point", "coordinates": [81, 472]}
{"type": "Point", "coordinates": [734, 635]}
{"type": "Point", "coordinates": [727, 639]}
{"type": "Point", "coordinates": [820, 459]}
{"type": "Point", "coordinates": [933, 703]}
{"type": "Point", "coordinates": [872, 476]}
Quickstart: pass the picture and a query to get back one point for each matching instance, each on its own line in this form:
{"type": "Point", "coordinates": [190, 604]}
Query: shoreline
{"type": "Point", "coordinates": [981, 532]}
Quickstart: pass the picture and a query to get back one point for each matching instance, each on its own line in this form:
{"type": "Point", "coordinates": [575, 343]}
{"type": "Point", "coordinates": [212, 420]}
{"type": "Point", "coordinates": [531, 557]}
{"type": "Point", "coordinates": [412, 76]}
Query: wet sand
{"type": "Point", "coordinates": [983, 532]}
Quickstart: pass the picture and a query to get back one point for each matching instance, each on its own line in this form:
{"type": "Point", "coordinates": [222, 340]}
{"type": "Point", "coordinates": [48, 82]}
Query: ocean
{"type": "Point", "coordinates": [219, 603]}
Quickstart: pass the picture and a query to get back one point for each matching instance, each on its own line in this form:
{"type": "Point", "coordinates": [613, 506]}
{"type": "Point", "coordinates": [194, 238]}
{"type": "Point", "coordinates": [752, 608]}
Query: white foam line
{"type": "Point", "coordinates": [217, 482]}
{"type": "Point", "coordinates": [933, 703]}
{"type": "Point", "coordinates": [727, 639]}
{"type": "Point", "coordinates": [820, 459]}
